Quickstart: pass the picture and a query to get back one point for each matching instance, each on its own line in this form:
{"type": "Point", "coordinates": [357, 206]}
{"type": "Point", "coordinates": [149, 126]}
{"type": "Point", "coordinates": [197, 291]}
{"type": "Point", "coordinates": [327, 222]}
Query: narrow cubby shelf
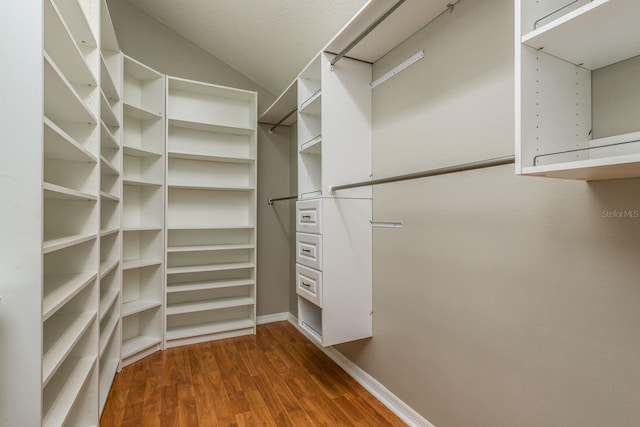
{"type": "Point", "coordinates": [207, 187]}
{"type": "Point", "coordinates": [209, 227]}
{"type": "Point", "coordinates": [207, 157]}
{"type": "Point", "coordinates": [107, 196]}
{"type": "Point", "coordinates": [141, 183]}
{"type": "Point", "coordinates": [59, 289]}
{"type": "Point", "coordinates": [63, 333]}
{"type": "Point", "coordinates": [108, 232]}
{"type": "Point", "coordinates": [313, 146]}
{"type": "Point", "coordinates": [312, 105]}
{"type": "Point", "coordinates": [58, 192]}
{"type": "Point", "coordinates": [61, 46]}
{"type": "Point", "coordinates": [141, 228]}
{"type": "Point", "coordinates": [139, 113]}
{"type": "Point", "coordinates": [107, 138]}
{"type": "Point", "coordinates": [138, 344]}
{"type": "Point", "coordinates": [60, 145]}
{"type": "Point", "coordinates": [107, 114]}
{"type": "Point", "coordinates": [56, 243]}
{"type": "Point", "coordinates": [139, 152]}
{"type": "Point", "coordinates": [140, 263]}
{"type": "Point", "coordinates": [130, 308]}
{"type": "Point", "coordinates": [77, 23]}
{"type": "Point", "coordinates": [205, 248]}
{"type": "Point", "coordinates": [204, 305]}
{"type": "Point", "coordinates": [207, 285]}
{"type": "Point", "coordinates": [107, 333]}
{"type": "Point", "coordinates": [107, 266]}
{"type": "Point", "coordinates": [209, 267]}
{"type": "Point", "coordinates": [73, 378]}
{"type": "Point", "coordinates": [180, 332]}
{"type": "Point", "coordinates": [107, 84]}
{"type": "Point", "coordinates": [106, 302]}
{"type": "Point", "coordinates": [107, 167]}
{"type": "Point", "coordinates": [209, 127]}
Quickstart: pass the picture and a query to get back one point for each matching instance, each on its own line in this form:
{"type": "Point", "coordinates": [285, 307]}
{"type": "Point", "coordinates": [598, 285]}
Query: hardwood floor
{"type": "Point", "coordinates": [274, 378]}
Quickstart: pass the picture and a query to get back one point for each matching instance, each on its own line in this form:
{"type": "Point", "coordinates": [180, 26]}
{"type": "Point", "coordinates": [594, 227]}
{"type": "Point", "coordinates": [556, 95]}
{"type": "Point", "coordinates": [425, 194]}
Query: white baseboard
{"type": "Point", "coordinates": [373, 386]}
{"type": "Point", "coordinates": [270, 318]}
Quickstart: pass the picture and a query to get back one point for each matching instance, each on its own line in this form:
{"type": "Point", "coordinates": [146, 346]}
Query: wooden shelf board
{"type": "Point", "coordinates": [210, 267]}
{"type": "Point", "coordinates": [209, 89]}
{"type": "Point", "coordinates": [141, 228]}
{"type": "Point", "coordinates": [210, 227]}
{"type": "Point", "coordinates": [204, 248]}
{"type": "Point", "coordinates": [108, 38]}
{"type": "Point", "coordinates": [140, 113]}
{"type": "Point", "coordinates": [68, 329]}
{"type": "Point", "coordinates": [140, 263]}
{"type": "Point", "coordinates": [106, 137]}
{"type": "Point", "coordinates": [107, 84]}
{"type": "Point", "coordinates": [139, 152]}
{"type": "Point", "coordinates": [604, 168]}
{"type": "Point", "coordinates": [137, 306]}
{"type": "Point", "coordinates": [312, 105]}
{"type": "Point", "coordinates": [107, 196]}
{"type": "Point", "coordinates": [59, 145]}
{"type": "Point", "coordinates": [206, 157]}
{"type": "Point", "coordinates": [65, 287]}
{"type": "Point", "coordinates": [106, 301]}
{"type": "Point", "coordinates": [579, 36]}
{"type": "Point", "coordinates": [209, 127]}
{"type": "Point", "coordinates": [75, 375]}
{"type": "Point", "coordinates": [58, 192]}
{"type": "Point", "coordinates": [141, 183]}
{"type": "Point", "coordinates": [207, 188]}
{"type": "Point", "coordinates": [196, 306]}
{"type": "Point", "coordinates": [107, 165]}
{"type": "Point", "coordinates": [313, 146]}
{"type": "Point", "coordinates": [108, 371]}
{"type": "Point", "coordinates": [138, 344]}
{"type": "Point", "coordinates": [54, 244]}
{"type": "Point", "coordinates": [286, 102]}
{"type": "Point", "coordinates": [139, 71]}
{"type": "Point", "coordinates": [208, 328]}
{"type": "Point", "coordinates": [106, 112]}
{"type": "Point", "coordinates": [107, 266]}
{"type": "Point", "coordinates": [109, 231]}
{"type": "Point", "coordinates": [107, 333]}
{"type": "Point", "coordinates": [202, 286]}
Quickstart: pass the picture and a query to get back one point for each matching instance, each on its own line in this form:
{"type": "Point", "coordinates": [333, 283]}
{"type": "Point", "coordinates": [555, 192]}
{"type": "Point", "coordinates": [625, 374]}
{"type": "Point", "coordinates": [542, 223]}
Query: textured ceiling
{"type": "Point", "coordinates": [269, 41]}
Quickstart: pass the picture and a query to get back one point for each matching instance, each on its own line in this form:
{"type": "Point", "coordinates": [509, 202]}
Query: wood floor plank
{"type": "Point", "coordinates": [274, 378]}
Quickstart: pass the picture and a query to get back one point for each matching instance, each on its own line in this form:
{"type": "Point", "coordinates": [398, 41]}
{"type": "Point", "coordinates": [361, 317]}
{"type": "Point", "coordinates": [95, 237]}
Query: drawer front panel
{"type": "Point", "coordinates": [309, 284]}
{"type": "Point", "coordinates": [309, 216]}
{"type": "Point", "coordinates": [309, 250]}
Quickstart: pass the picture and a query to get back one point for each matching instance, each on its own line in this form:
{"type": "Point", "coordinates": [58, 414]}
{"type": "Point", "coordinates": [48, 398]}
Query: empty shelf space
{"type": "Point", "coordinates": [140, 263]}
{"type": "Point", "coordinates": [107, 266]}
{"type": "Point", "coordinates": [141, 228]}
{"type": "Point", "coordinates": [138, 344]}
{"type": "Point", "coordinates": [137, 306]}
{"type": "Point", "coordinates": [577, 36]}
{"type": "Point", "coordinates": [191, 307]}
{"type": "Point", "coordinates": [108, 167]}
{"type": "Point", "coordinates": [64, 288]}
{"type": "Point", "coordinates": [59, 145]}
{"type": "Point", "coordinates": [616, 167]}
{"type": "Point", "coordinates": [106, 301]}
{"type": "Point", "coordinates": [312, 105]}
{"type": "Point", "coordinates": [204, 248]}
{"type": "Point", "coordinates": [208, 328]}
{"type": "Point", "coordinates": [67, 329]}
{"type": "Point", "coordinates": [206, 157]}
{"type": "Point", "coordinates": [106, 137]}
{"type": "Point", "coordinates": [106, 112]}
{"type": "Point", "coordinates": [140, 113]}
{"type": "Point", "coordinates": [209, 127]}
{"type": "Point", "coordinates": [205, 286]}
{"type": "Point", "coordinates": [108, 232]}
{"type": "Point", "coordinates": [313, 146]}
{"type": "Point", "coordinates": [107, 333]}
{"type": "Point", "coordinates": [208, 187]}
{"type": "Point", "coordinates": [210, 227]}
{"type": "Point", "coordinates": [57, 243]}
{"type": "Point", "coordinates": [107, 196]}
{"type": "Point", "coordinates": [75, 375]}
{"type": "Point", "coordinates": [141, 183]}
{"type": "Point", "coordinates": [210, 267]}
{"type": "Point", "coordinates": [53, 191]}
{"type": "Point", "coordinates": [139, 152]}
{"type": "Point", "coordinates": [107, 84]}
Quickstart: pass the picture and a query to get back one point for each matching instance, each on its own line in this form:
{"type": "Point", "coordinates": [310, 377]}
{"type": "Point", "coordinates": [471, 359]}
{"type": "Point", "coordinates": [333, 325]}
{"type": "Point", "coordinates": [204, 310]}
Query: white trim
{"type": "Point", "coordinates": [270, 318]}
{"type": "Point", "coordinates": [373, 386]}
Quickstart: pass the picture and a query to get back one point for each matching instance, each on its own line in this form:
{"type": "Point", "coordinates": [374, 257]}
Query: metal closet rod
{"type": "Point", "coordinates": [272, 128]}
{"type": "Point", "coordinates": [277, 199]}
{"type": "Point", "coordinates": [432, 172]}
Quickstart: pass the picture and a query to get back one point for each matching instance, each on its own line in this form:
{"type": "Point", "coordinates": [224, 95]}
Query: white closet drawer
{"type": "Point", "coordinates": [309, 284]}
{"type": "Point", "coordinates": [309, 250]}
{"type": "Point", "coordinates": [308, 216]}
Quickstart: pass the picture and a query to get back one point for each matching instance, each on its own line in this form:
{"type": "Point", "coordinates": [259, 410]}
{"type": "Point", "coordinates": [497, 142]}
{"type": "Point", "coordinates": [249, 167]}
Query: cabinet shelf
{"type": "Point", "coordinates": [58, 192]}
{"type": "Point", "coordinates": [77, 23]}
{"type": "Point", "coordinates": [138, 306]}
{"type": "Point", "coordinates": [134, 229]}
{"type": "Point", "coordinates": [107, 266]}
{"type": "Point", "coordinates": [313, 105]}
{"type": "Point", "coordinates": [141, 183]}
{"type": "Point", "coordinates": [59, 145]}
{"type": "Point", "coordinates": [313, 146]}
{"type": "Point", "coordinates": [209, 127]}
{"type": "Point", "coordinates": [107, 84]}
{"type": "Point", "coordinates": [75, 377]}
{"type": "Point", "coordinates": [210, 227]}
{"type": "Point", "coordinates": [138, 344]}
{"type": "Point", "coordinates": [106, 137]}
{"type": "Point", "coordinates": [106, 112]}
{"type": "Point", "coordinates": [205, 248]}
{"type": "Point", "coordinates": [67, 329]}
{"type": "Point", "coordinates": [64, 288]}
{"type": "Point", "coordinates": [597, 34]}
{"type": "Point", "coordinates": [106, 301]}
{"type": "Point", "coordinates": [139, 152]}
{"type": "Point", "coordinates": [107, 333]}
{"type": "Point", "coordinates": [176, 333]}
{"type": "Point", "coordinates": [60, 44]}
{"type": "Point", "coordinates": [206, 157]}
{"type": "Point", "coordinates": [208, 285]}
{"type": "Point", "coordinates": [108, 232]}
{"type": "Point", "coordinates": [195, 306]}
{"type": "Point", "coordinates": [140, 263]}
{"type": "Point", "coordinates": [139, 113]}
{"type": "Point", "coordinates": [210, 267]}
{"type": "Point", "coordinates": [61, 100]}
{"type": "Point", "coordinates": [208, 187]}
{"type": "Point", "coordinates": [54, 244]}
{"type": "Point", "coordinates": [108, 166]}
{"type": "Point", "coordinates": [105, 195]}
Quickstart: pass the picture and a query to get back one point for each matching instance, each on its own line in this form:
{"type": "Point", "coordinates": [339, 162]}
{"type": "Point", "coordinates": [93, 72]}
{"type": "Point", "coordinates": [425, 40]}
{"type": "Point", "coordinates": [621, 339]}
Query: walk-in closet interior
{"type": "Point", "coordinates": [443, 198]}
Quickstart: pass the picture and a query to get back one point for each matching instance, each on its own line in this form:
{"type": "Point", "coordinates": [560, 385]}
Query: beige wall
{"type": "Point", "coordinates": [504, 300]}
{"type": "Point", "coordinates": [156, 45]}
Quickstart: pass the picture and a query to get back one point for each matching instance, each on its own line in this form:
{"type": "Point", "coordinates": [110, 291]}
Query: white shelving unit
{"type": "Point", "coordinates": [110, 274]}
{"type": "Point", "coordinates": [71, 200]}
{"type": "Point", "coordinates": [211, 212]}
{"type": "Point", "coordinates": [142, 211]}
{"type": "Point", "coordinates": [334, 146]}
{"type": "Point", "coordinates": [577, 101]}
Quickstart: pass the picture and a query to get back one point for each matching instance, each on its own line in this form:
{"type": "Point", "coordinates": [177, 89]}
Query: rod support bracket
{"type": "Point", "coordinates": [450, 6]}
{"type": "Point", "coordinates": [270, 202]}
